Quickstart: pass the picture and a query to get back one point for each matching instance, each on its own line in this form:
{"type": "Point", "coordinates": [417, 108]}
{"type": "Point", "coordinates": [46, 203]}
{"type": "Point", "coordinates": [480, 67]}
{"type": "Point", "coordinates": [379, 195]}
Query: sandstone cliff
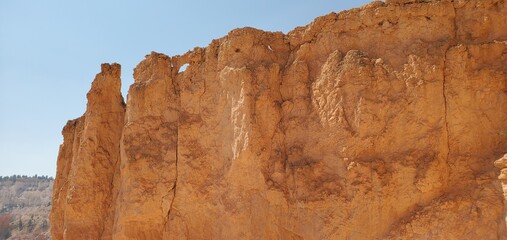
{"type": "Point", "coordinates": [380, 122]}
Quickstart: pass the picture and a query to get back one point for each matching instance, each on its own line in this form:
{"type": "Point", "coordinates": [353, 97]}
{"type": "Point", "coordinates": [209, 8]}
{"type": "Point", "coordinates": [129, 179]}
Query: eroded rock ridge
{"type": "Point", "coordinates": [380, 122]}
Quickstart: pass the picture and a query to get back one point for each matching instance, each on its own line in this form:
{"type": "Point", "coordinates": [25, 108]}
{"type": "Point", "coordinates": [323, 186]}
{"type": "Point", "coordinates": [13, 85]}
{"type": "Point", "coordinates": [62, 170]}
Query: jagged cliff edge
{"type": "Point", "coordinates": [379, 122]}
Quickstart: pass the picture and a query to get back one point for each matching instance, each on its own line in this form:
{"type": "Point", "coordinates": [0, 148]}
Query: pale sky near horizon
{"type": "Point", "coordinates": [51, 50]}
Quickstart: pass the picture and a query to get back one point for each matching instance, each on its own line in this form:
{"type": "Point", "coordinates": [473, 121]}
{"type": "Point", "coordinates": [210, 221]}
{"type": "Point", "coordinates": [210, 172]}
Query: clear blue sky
{"type": "Point", "coordinates": [51, 50]}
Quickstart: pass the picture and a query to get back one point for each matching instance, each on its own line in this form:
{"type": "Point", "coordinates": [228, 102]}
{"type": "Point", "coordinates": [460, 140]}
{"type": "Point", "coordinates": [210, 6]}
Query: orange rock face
{"type": "Point", "coordinates": [88, 163]}
{"type": "Point", "coordinates": [380, 122]}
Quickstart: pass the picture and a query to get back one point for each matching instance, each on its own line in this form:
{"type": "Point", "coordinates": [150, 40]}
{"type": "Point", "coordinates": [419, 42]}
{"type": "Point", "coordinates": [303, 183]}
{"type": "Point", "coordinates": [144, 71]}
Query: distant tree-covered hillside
{"type": "Point", "coordinates": [25, 202]}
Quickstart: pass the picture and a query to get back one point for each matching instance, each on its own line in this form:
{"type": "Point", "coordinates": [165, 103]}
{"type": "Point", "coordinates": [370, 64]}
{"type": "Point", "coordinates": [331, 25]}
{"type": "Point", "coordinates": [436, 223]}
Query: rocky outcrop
{"type": "Point", "coordinates": [375, 123]}
{"type": "Point", "coordinates": [85, 189]}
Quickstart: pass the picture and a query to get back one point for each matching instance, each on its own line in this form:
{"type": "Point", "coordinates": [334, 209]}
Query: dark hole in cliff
{"type": "Point", "coordinates": [183, 68]}
{"type": "Point", "coordinates": [237, 50]}
{"type": "Point", "coordinates": [428, 18]}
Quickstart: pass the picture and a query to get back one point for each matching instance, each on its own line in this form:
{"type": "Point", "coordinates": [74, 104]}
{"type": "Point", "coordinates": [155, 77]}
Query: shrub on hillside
{"type": "Point", "coordinates": [5, 228]}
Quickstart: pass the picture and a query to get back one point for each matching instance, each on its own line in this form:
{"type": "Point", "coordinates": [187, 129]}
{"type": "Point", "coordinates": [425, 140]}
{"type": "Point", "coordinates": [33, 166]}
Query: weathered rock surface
{"type": "Point", "coordinates": [502, 164]}
{"type": "Point", "coordinates": [380, 122]}
{"type": "Point", "coordinates": [88, 163]}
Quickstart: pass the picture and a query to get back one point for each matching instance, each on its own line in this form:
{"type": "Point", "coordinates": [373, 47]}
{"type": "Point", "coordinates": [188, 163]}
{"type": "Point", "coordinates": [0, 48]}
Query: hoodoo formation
{"type": "Point", "coordinates": [381, 122]}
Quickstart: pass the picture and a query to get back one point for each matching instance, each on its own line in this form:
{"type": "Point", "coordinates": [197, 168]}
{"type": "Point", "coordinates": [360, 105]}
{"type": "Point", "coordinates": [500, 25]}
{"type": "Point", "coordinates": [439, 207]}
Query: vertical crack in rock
{"type": "Point", "coordinates": [455, 24]}
{"type": "Point", "coordinates": [444, 89]}
{"type": "Point", "coordinates": [173, 72]}
{"type": "Point", "coordinates": [175, 181]}
{"type": "Point", "coordinates": [446, 122]}
{"type": "Point", "coordinates": [444, 93]}
{"type": "Point", "coordinates": [176, 93]}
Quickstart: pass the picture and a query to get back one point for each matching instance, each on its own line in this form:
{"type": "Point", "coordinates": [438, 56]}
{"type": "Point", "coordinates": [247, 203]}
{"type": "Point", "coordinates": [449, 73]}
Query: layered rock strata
{"type": "Point", "coordinates": [379, 122]}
